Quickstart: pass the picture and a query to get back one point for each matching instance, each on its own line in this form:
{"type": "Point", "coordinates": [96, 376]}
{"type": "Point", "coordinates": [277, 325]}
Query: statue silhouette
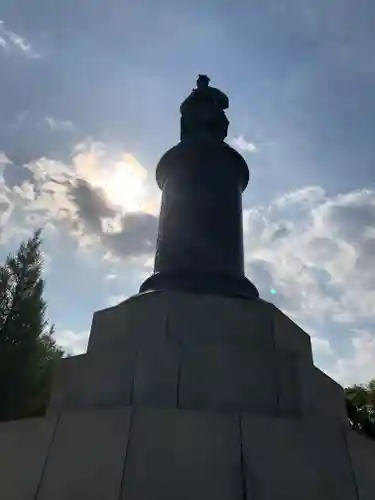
{"type": "Point", "coordinates": [202, 113]}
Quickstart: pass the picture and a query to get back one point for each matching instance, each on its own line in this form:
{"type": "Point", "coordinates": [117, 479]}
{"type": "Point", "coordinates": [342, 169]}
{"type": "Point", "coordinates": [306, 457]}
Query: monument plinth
{"type": "Point", "coordinates": [197, 389]}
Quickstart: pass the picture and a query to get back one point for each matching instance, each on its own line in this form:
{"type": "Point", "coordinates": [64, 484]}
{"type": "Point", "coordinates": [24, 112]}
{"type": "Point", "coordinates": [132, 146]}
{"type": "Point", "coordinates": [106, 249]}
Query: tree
{"type": "Point", "coordinates": [28, 353]}
{"type": "Point", "coordinates": [360, 404]}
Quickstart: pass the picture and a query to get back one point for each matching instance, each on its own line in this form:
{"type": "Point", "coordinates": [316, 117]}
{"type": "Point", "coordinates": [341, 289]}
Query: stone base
{"type": "Point", "coordinates": [177, 350]}
{"type": "Point", "coordinates": [184, 396]}
{"type": "Point", "coordinates": [164, 454]}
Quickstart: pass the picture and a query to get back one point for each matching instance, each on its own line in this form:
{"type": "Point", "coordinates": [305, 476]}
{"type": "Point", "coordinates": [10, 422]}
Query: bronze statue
{"type": "Point", "coordinates": [199, 247]}
{"type": "Point", "coordinates": [202, 113]}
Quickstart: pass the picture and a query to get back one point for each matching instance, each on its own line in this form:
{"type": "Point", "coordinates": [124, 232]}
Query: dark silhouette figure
{"type": "Point", "coordinates": [202, 113]}
{"type": "Point", "coordinates": [200, 236]}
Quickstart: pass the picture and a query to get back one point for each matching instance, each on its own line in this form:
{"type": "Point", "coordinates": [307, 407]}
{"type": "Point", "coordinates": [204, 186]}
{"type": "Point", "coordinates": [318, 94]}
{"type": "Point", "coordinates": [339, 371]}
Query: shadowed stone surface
{"type": "Point", "coordinates": [183, 455]}
{"type": "Point", "coordinates": [206, 319]}
{"type": "Point", "coordinates": [293, 460]}
{"type": "Point", "coordinates": [362, 453]}
{"type": "Point", "coordinates": [329, 402]}
{"type": "Point", "coordinates": [173, 349]}
{"type": "Point", "coordinates": [156, 377]}
{"type": "Point", "coordinates": [148, 319]}
{"type": "Point", "coordinates": [306, 392]}
{"type": "Point", "coordinates": [178, 454]}
{"type": "Point", "coordinates": [227, 377]}
{"type": "Point", "coordinates": [289, 336]}
{"type": "Point", "coordinates": [294, 385]}
{"type": "Point", "coordinates": [24, 446]}
{"type": "Point", "coordinates": [138, 321]}
{"type": "Point", "coordinates": [93, 380]}
{"type": "Point", "coordinates": [87, 457]}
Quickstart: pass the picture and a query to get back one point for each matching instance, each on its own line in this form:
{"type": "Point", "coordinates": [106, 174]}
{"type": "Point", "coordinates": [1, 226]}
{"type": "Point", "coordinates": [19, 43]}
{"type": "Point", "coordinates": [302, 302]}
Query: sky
{"type": "Point", "coordinates": [89, 101]}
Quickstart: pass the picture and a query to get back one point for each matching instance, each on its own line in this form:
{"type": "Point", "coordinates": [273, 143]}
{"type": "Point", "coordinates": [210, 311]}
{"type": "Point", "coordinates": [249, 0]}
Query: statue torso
{"type": "Point", "coordinates": [202, 114]}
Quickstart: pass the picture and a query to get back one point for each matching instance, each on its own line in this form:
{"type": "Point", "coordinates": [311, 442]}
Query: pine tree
{"type": "Point", "coordinates": [27, 350]}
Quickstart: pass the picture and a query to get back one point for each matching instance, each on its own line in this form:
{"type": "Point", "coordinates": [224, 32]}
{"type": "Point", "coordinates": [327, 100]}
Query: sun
{"type": "Point", "coordinates": [124, 184]}
{"type": "Point", "coordinates": [121, 177]}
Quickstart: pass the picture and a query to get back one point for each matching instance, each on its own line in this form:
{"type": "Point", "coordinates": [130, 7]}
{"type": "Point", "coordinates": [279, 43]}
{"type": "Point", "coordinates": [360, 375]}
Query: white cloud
{"type": "Point", "coordinates": [317, 252]}
{"type": "Point", "coordinates": [121, 176]}
{"type": "Point", "coordinates": [59, 125]}
{"type": "Point", "coordinates": [243, 145]}
{"type": "Point", "coordinates": [103, 196]}
{"type": "Point", "coordinates": [4, 160]}
{"type": "Point", "coordinates": [11, 41]}
{"type": "Point", "coordinates": [307, 196]}
{"type": "Point", "coordinates": [114, 300]}
{"type": "Point", "coordinates": [25, 192]}
{"type": "Point", "coordinates": [321, 346]}
{"type": "Point", "coordinates": [359, 366]}
{"type": "Point", "coordinates": [73, 343]}
{"type": "Point", "coordinates": [6, 203]}
{"type": "Point", "coordinates": [111, 276]}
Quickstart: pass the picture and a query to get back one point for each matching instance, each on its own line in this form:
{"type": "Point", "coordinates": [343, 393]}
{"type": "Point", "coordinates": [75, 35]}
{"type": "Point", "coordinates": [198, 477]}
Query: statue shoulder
{"type": "Point", "coordinates": [188, 102]}
{"type": "Point", "coordinates": [220, 97]}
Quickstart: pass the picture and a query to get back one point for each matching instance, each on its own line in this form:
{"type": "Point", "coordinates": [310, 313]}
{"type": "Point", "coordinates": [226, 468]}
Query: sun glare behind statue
{"type": "Point", "coordinates": [121, 178]}
{"type": "Point", "coordinates": [124, 184]}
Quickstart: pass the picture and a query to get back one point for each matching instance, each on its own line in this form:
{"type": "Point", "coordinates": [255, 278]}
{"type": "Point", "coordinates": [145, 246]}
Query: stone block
{"type": "Point", "coordinates": [290, 337]}
{"type": "Point", "coordinates": [93, 380]}
{"type": "Point", "coordinates": [304, 391]}
{"type": "Point", "coordinates": [227, 377]}
{"type": "Point", "coordinates": [87, 456]}
{"type": "Point", "coordinates": [156, 376]}
{"type": "Point", "coordinates": [362, 453]}
{"type": "Point", "coordinates": [289, 386]}
{"type": "Point", "coordinates": [294, 385]}
{"type": "Point", "coordinates": [175, 454]}
{"type": "Point", "coordinates": [329, 398]}
{"type": "Point", "coordinates": [138, 321]}
{"type": "Point", "coordinates": [24, 446]}
{"type": "Point", "coordinates": [206, 319]}
{"type": "Point", "coordinates": [64, 380]}
{"type": "Point", "coordinates": [290, 460]}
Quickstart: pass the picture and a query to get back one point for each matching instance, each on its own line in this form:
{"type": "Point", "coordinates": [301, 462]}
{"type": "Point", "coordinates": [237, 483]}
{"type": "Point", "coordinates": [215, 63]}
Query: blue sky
{"type": "Point", "coordinates": [89, 101]}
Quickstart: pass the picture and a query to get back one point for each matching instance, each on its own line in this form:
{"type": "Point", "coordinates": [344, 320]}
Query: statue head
{"type": "Point", "coordinates": [203, 81]}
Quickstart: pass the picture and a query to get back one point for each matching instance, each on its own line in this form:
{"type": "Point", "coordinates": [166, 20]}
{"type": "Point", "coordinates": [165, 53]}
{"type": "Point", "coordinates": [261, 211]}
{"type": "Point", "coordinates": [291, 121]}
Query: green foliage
{"type": "Point", "coordinates": [28, 353]}
{"type": "Point", "coordinates": [360, 404]}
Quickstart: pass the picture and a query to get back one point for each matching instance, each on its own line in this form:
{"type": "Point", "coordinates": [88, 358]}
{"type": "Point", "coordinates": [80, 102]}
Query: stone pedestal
{"type": "Point", "coordinates": [200, 237]}
{"type": "Point", "coordinates": [183, 396]}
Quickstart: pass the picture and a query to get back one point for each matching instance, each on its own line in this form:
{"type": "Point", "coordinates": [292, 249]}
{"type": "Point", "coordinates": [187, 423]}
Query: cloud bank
{"type": "Point", "coordinates": [316, 251]}
{"type": "Point", "coordinates": [101, 198]}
